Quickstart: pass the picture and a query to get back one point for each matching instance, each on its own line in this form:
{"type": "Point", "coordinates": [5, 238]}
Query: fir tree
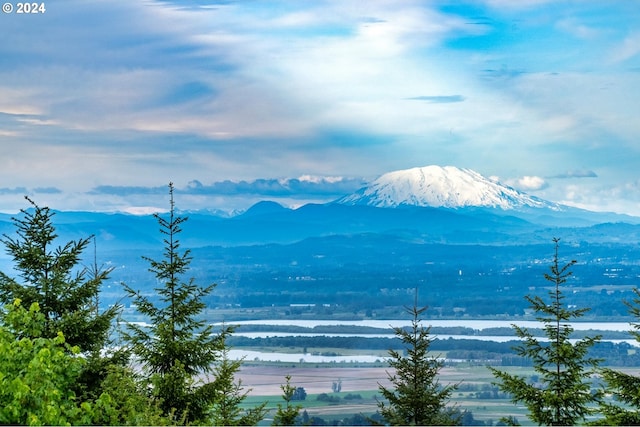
{"type": "Point", "coordinates": [624, 387]}
{"type": "Point", "coordinates": [66, 293]}
{"type": "Point", "coordinates": [177, 346]}
{"type": "Point", "coordinates": [286, 415]}
{"type": "Point", "coordinates": [227, 410]}
{"type": "Point", "coordinates": [53, 278]}
{"type": "Point", "coordinates": [417, 397]}
{"type": "Point", "coordinates": [563, 393]}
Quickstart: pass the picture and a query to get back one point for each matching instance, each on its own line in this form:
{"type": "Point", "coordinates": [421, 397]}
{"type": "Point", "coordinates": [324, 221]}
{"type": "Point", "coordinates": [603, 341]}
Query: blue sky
{"type": "Point", "coordinates": [102, 103]}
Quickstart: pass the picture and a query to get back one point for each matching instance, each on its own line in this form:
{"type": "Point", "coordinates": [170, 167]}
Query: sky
{"type": "Point", "coordinates": [103, 103]}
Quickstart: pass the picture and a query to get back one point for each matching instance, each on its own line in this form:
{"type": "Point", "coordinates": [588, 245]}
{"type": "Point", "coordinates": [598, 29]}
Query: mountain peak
{"type": "Point", "coordinates": [264, 207]}
{"type": "Point", "coordinates": [441, 186]}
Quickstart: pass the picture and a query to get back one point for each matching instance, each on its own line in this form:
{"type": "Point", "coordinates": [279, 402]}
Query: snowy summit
{"type": "Point", "coordinates": [438, 186]}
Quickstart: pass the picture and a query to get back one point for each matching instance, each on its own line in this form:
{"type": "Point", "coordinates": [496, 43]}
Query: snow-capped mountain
{"type": "Point", "coordinates": [438, 186]}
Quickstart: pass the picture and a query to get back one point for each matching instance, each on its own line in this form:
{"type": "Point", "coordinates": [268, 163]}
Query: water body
{"type": "Point", "coordinates": [495, 338]}
{"type": "Point", "coordinates": [367, 358]}
{"type": "Point", "coordinates": [473, 324]}
{"type": "Point", "coordinates": [302, 357]}
{"type": "Point", "coordinates": [237, 354]}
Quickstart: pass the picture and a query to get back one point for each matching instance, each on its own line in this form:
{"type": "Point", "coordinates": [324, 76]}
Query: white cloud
{"type": "Point", "coordinates": [143, 210]}
{"type": "Point", "coordinates": [321, 179]}
{"type": "Point", "coordinates": [577, 29]}
{"type": "Point", "coordinates": [595, 195]}
{"type": "Point", "coordinates": [629, 48]}
{"type": "Point", "coordinates": [527, 183]}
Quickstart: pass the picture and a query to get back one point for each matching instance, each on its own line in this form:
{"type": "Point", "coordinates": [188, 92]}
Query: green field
{"type": "Point", "coordinates": [474, 393]}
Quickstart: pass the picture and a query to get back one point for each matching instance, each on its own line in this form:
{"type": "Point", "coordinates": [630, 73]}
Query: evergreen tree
{"type": "Point", "coordinates": [227, 410]}
{"type": "Point", "coordinates": [125, 401]}
{"type": "Point", "coordinates": [177, 346]}
{"type": "Point", "coordinates": [624, 387]}
{"type": "Point", "coordinates": [417, 397]}
{"type": "Point", "coordinates": [563, 393]}
{"type": "Point", "coordinates": [286, 416]}
{"type": "Point", "coordinates": [53, 277]}
{"type": "Point", "coordinates": [65, 292]}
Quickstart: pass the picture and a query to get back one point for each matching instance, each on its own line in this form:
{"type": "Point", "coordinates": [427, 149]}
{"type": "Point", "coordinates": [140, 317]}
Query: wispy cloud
{"type": "Point", "coordinates": [15, 190]}
{"type": "Point", "coordinates": [47, 190]}
{"type": "Point", "coordinates": [443, 99]}
{"type": "Point", "coordinates": [580, 173]}
{"type": "Point", "coordinates": [578, 29]}
{"type": "Point", "coordinates": [124, 190]}
{"type": "Point", "coordinates": [523, 4]}
{"type": "Point", "coordinates": [627, 49]}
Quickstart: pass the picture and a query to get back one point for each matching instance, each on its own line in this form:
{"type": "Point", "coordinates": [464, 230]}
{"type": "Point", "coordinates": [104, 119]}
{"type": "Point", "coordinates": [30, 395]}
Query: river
{"type": "Point", "coordinates": [478, 325]}
{"type": "Point", "coordinates": [473, 324]}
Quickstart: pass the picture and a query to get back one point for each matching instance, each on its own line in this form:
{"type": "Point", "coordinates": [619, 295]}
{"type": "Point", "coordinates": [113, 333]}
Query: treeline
{"type": "Point", "coordinates": [434, 330]}
{"type": "Point", "coordinates": [456, 350]}
{"type": "Point", "coordinates": [463, 417]}
{"type": "Point", "coordinates": [365, 277]}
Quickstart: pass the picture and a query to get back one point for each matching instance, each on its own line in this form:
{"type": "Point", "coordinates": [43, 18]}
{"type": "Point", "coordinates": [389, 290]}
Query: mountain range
{"type": "Point", "coordinates": [471, 243]}
{"type": "Point", "coordinates": [431, 204]}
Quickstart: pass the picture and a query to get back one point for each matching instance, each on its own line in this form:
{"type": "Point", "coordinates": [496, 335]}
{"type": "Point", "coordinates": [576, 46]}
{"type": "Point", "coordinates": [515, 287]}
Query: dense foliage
{"type": "Point", "coordinates": [38, 378]}
{"type": "Point", "coordinates": [37, 372]}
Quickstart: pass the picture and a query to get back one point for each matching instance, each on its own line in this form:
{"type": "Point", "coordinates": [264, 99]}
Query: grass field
{"type": "Point", "coordinates": [476, 392]}
{"type": "Point", "coordinates": [265, 381]}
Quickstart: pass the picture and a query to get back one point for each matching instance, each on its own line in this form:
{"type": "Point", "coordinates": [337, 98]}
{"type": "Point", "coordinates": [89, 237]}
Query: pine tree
{"type": "Point", "coordinates": [54, 279]}
{"type": "Point", "coordinates": [417, 397]}
{"type": "Point", "coordinates": [286, 416]}
{"type": "Point", "coordinates": [177, 346]}
{"type": "Point", "coordinates": [563, 393]}
{"type": "Point", "coordinates": [227, 410]}
{"type": "Point", "coordinates": [101, 361]}
{"type": "Point", "coordinates": [624, 387]}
